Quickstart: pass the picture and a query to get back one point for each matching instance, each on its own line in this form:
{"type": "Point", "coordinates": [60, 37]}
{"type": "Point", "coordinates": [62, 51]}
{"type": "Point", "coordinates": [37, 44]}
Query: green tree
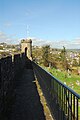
{"type": "Point", "coordinates": [45, 55]}
{"type": "Point", "coordinates": [75, 63]}
{"type": "Point", "coordinates": [79, 59]}
{"type": "Point", "coordinates": [1, 47]}
{"type": "Point", "coordinates": [64, 59]}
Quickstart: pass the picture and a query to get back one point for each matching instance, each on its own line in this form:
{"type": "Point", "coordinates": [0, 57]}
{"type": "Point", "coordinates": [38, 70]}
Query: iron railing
{"type": "Point", "coordinates": [63, 102]}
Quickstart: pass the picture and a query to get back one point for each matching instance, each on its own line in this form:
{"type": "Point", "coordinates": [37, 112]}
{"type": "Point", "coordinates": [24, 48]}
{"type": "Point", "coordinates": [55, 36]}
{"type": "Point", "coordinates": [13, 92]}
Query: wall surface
{"type": "Point", "coordinates": [10, 68]}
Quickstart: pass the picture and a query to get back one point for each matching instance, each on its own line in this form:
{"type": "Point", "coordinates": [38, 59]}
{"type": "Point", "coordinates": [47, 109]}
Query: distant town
{"type": "Point", "coordinates": [54, 54]}
{"type": "Point", "coordinates": [7, 49]}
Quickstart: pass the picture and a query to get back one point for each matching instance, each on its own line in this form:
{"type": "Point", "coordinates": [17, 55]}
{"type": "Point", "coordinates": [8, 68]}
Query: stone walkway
{"type": "Point", "coordinates": [27, 104]}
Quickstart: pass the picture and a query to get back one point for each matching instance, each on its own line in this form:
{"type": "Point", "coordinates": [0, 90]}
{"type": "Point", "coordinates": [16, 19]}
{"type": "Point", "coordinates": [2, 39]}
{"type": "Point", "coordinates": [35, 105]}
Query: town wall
{"type": "Point", "coordinates": [10, 69]}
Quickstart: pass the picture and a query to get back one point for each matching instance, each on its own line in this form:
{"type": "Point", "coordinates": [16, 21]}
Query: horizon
{"type": "Point", "coordinates": [47, 22]}
{"type": "Point", "coordinates": [43, 46]}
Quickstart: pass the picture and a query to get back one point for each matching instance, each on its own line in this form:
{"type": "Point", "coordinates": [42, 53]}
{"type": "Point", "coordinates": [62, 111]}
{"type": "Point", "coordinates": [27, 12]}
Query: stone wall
{"type": "Point", "coordinates": [10, 68]}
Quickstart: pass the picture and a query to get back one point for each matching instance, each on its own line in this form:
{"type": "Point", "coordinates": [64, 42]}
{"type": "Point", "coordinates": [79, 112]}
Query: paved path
{"type": "Point", "coordinates": [27, 104]}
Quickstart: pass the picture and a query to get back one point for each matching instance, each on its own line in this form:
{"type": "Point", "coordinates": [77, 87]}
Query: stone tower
{"type": "Point", "coordinates": [26, 45]}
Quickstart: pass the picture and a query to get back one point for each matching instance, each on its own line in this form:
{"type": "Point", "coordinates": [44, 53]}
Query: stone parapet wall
{"type": "Point", "coordinates": [10, 67]}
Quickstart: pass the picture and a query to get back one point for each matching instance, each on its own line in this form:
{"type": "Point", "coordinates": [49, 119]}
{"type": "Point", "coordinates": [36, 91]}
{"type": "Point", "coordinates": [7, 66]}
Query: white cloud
{"type": "Point", "coordinates": [76, 42]}
{"type": "Point", "coordinates": [73, 44]}
{"type": "Point", "coordinates": [40, 42]}
{"type": "Point", "coordinates": [3, 37]}
{"type": "Point", "coordinates": [8, 39]}
{"type": "Point", "coordinates": [69, 44]}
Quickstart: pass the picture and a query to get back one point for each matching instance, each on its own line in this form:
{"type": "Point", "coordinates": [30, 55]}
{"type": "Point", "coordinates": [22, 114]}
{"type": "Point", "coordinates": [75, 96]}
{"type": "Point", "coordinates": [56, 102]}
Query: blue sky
{"type": "Point", "coordinates": [54, 22]}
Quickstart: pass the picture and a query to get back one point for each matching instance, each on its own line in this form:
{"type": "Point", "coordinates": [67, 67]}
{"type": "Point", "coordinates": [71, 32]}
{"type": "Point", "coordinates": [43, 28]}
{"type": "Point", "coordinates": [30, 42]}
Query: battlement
{"type": "Point", "coordinates": [10, 68]}
{"type": "Point", "coordinates": [26, 41]}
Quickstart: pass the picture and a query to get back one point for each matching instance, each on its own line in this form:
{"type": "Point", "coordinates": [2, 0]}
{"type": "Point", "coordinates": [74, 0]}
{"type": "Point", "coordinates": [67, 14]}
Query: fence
{"type": "Point", "coordinates": [63, 102]}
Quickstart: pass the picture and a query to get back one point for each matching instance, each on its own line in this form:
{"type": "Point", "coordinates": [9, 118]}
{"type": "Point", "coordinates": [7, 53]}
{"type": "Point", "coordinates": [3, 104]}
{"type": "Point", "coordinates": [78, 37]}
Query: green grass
{"type": "Point", "coordinates": [70, 80]}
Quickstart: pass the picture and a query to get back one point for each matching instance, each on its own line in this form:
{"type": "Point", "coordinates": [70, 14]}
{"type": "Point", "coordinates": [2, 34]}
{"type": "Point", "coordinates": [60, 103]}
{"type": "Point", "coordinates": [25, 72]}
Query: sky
{"type": "Point", "coordinates": [54, 22]}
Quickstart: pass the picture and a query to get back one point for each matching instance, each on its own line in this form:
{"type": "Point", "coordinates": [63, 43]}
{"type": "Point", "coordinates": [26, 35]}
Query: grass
{"type": "Point", "coordinates": [69, 80]}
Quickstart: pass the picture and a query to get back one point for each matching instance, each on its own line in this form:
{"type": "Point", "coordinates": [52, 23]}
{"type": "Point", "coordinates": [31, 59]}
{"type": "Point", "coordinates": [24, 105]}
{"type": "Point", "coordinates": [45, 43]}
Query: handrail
{"type": "Point", "coordinates": [73, 92]}
{"type": "Point", "coordinates": [64, 102]}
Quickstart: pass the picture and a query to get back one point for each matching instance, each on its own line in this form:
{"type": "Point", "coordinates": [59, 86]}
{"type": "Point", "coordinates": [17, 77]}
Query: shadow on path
{"type": "Point", "coordinates": [27, 104]}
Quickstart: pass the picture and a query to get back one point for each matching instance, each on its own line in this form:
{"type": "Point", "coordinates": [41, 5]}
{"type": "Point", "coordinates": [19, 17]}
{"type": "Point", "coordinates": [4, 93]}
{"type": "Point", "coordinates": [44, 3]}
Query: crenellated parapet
{"type": "Point", "coordinates": [10, 68]}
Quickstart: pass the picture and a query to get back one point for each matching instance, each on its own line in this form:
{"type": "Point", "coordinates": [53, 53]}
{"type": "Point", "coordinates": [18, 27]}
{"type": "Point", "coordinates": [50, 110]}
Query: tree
{"type": "Point", "coordinates": [79, 59]}
{"type": "Point", "coordinates": [45, 55]}
{"type": "Point", "coordinates": [63, 58]}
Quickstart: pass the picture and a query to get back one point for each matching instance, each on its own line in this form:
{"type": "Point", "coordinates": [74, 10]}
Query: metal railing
{"type": "Point", "coordinates": [63, 102]}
